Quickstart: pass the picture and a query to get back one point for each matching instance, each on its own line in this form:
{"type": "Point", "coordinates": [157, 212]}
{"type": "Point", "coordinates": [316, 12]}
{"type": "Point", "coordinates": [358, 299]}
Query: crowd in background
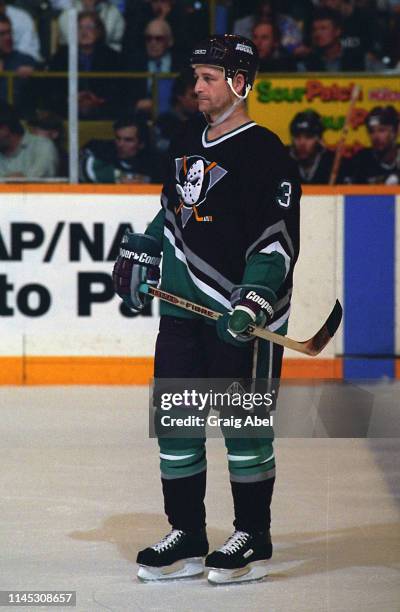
{"type": "Point", "coordinates": [155, 36]}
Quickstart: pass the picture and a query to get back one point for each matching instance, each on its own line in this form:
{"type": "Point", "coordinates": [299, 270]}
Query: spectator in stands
{"type": "Point", "coordinates": [126, 159]}
{"type": "Point", "coordinates": [25, 36]}
{"type": "Point", "coordinates": [112, 19]}
{"type": "Point", "coordinates": [159, 57]}
{"type": "Point", "coordinates": [184, 106]}
{"type": "Point", "coordinates": [328, 54]}
{"type": "Point", "coordinates": [379, 163]}
{"type": "Point", "coordinates": [266, 10]}
{"type": "Point", "coordinates": [360, 31]}
{"type": "Point", "coordinates": [22, 154]}
{"type": "Point", "coordinates": [141, 14]}
{"type": "Point", "coordinates": [22, 64]}
{"type": "Point", "coordinates": [273, 58]}
{"type": "Point", "coordinates": [49, 125]}
{"type": "Point", "coordinates": [98, 98]}
{"type": "Point", "coordinates": [314, 161]}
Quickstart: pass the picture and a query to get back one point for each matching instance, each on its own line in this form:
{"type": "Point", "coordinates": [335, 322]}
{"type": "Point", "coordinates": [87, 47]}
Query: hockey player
{"type": "Point", "coordinates": [379, 163]}
{"type": "Point", "coordinates": [229, 235]}
{"type": "Point", "coordinates": [313, 160]}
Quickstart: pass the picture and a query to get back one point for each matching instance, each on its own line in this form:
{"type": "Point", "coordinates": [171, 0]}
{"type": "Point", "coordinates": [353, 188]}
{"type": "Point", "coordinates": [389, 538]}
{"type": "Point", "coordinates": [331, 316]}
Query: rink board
{"type": "Point", "coordinates": [61, 323]}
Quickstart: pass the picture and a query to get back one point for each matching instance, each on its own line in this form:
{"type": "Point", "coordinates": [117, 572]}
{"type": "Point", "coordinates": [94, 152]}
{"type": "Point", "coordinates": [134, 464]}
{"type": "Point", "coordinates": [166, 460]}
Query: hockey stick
{"type": "Point", "coordinates": [340, 145]}
{"type": "Point", "coordinates": [311, 347]}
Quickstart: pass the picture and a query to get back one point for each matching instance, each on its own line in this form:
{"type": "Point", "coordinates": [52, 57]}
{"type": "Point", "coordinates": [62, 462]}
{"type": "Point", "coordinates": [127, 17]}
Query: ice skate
{"type": "Point", "coordinates": [177, 555]}
{"type": "Point", "coordinates": [243, 557]}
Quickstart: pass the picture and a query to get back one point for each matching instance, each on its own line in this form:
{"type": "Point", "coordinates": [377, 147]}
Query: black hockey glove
{"type": "Point", "coordinates": [137, 264]}
{"type": "Point", "coordinates": [252, 305]}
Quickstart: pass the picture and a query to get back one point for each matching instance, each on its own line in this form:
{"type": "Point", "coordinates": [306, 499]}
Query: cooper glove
{"type": "Point", "coordinates": [252, 305]}
{"type": "Point", "coordinates": [137, 264]}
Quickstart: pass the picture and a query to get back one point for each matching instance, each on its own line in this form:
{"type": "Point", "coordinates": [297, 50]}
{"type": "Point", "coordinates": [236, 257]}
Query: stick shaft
{"type": "Point", "coordinates": [265, 334]}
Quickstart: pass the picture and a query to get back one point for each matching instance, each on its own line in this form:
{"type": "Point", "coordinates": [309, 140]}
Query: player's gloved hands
{"type": "Point", "coordinates": [253, 305]}
{"type": "Point", "coordinates": [137, 264]}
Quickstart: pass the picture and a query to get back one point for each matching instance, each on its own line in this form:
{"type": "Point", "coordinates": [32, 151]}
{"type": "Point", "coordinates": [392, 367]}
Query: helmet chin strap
{"type": "Point", "coordinates": [230, 110]}
{"type": "Point", "coordinates": [223, 116]}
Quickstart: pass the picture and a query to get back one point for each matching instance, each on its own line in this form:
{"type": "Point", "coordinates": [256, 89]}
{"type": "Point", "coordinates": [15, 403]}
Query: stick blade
{"type": "Point", "coordinates": [318, 342]}
{"type": "Point", "coordinates": [334, 319]}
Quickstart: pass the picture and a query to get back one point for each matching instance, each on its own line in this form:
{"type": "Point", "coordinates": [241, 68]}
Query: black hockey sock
{"type": "Point", "coordinates": [184, 502]}
{"type": "Point", "coordinates": [252, 505]}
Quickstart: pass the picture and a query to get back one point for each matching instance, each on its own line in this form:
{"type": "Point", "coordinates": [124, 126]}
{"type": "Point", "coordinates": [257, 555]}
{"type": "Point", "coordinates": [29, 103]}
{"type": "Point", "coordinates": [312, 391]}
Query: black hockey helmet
{"type": "Point", "coordinates": [382, 115]}
{"type": "Point", "coordinates": [235, 54]}
{"type": "Point", "coordinates": [308, 122]}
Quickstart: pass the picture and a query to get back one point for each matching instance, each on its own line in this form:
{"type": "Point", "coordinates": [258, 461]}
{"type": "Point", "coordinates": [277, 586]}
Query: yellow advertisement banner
{"type": "Point", "coordinates": [275, 100]}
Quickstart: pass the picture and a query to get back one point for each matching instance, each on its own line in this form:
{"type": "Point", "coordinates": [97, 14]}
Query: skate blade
{"type": "Point", "coordinates": [181, 569]}
{"type": "Point", "coordinates": [253, 571]}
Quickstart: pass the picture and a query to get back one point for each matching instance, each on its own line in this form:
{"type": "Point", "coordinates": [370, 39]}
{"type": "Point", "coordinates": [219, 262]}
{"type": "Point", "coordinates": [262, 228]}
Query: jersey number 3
{"type": "Point", "coordinates": [284, 194]}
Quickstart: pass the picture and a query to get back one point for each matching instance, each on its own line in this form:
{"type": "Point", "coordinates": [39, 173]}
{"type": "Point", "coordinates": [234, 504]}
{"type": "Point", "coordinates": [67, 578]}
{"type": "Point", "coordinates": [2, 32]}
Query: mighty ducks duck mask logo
{"type": "Point", "coordinates": [195, 177]}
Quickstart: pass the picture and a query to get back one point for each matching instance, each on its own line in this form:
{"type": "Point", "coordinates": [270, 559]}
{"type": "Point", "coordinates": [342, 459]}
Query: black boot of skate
{"type": "Point", "coordinates": [177, 555]}
{"type": "Point", "coordinates": [243, 557]}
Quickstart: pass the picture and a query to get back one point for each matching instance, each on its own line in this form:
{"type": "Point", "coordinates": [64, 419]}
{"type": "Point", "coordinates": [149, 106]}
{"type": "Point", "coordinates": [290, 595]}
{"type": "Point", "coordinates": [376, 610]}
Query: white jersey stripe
{"type": "Point", "coordinates": [276, 247]}
{"type": "Point", "coordinates": [279, 322]}
{"type": "Point", "coordinates": [248, 458]}
{"type": "Point", "coordinates": [196, 261]}
{"type": "Point", "coordinates": [200, 284]}
{"type": "Point", "coordinates": [241, 457]}
{"type": "Point", "coordinates": [212, 143]}
{"type": "Point", "coordinates": [175, 457]}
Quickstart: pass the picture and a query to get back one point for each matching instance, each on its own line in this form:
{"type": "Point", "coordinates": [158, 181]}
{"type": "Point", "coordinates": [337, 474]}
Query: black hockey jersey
{"type": "Point", "coordinates": [319, 172]}
{"type": "Point", "coordinates": [230, 215]}
{"type": "Point", "coordinates": [367, 168]}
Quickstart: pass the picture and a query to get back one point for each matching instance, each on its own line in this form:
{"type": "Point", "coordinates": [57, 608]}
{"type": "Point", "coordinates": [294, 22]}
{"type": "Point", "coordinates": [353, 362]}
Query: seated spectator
{"type": "Point", "coordinates": [140, 14]}
{"type": "Point", "coordinates": [159, 57]}
{"type": "Point", "coordinates": [360, 30]}
{"type": "Point", "coordinates": [98, 98]}
{"type": "Point", "coordinates": [22, 154]}
{"type": "Point", "coordinates": [380, 163]}
{"type": "Point", "coordinates": [272, 57]}
{"type": "Point", "coordinates": [313, 160]}
{"type": "Point", "coordinates": [328, 53]}
{"type": "Point", "coordinates": [184, 106]}
{"type": "Point", "coordinates": [266, 10]}
{"type": "Point", "coordinates": [49, 125]}
{"type": "Point", "coordinates": [126, 159]}
{"type": "Point", "coordinates": [25, 36]}
{"type": "Point", "coordinates": [112, 19]}
{"type": "Point", "coordinates": [14, 61]}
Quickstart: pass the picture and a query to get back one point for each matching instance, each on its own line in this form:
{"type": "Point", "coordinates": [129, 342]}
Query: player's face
{"type": "Point", "coordinates": [212, 91]}
{"type": "Point", "coordinates": [382, 137]}
{"type": "Point", "coordinates": [127, 142]}
{"type": "Point", "coordinates": [305, 146]}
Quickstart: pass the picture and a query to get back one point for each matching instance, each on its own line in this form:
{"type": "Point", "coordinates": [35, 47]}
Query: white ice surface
{"type": "Point", "coordinates": [80, 495]}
